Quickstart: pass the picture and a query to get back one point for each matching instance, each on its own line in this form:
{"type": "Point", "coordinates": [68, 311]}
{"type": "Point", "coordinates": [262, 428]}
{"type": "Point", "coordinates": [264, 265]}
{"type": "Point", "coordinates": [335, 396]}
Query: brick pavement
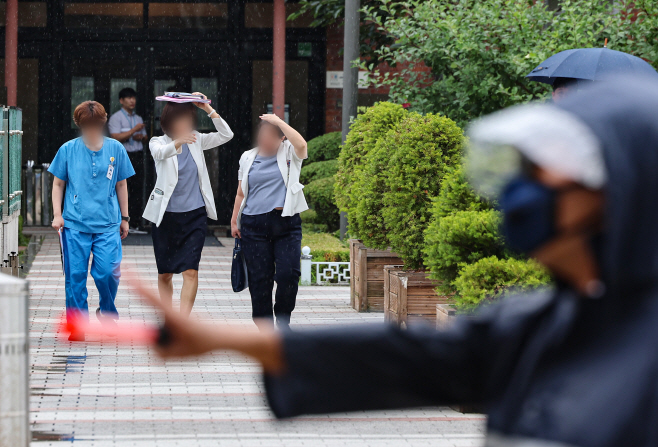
{"type": "Point", "coordinates": [101, 394]}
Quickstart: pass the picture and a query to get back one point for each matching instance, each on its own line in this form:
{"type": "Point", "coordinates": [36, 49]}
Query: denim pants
{"type": "Point", "coordinates": [272, 249]}
{"type": "Point", "coordinates": [105, 269]}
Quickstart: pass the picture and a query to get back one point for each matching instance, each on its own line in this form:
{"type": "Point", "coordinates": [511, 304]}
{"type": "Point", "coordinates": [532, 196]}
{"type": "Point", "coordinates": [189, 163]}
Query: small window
{"type": "Point", "coordinates": [82, 89]}
{"type": "Point", "coordinates": [104, 15]}
{"type": "Point", "coordinates": [207, 86]}
{"type": "Point", "coordinates": [159, 87]}
{"type": "Point", "coordinates": [261, 15]}
{"type": "Point", "coordinates": [188, 15]}
{"type": "Point", "coordinates": [116, 85]}
{"type": "Point", "coordinates": [30, 14]}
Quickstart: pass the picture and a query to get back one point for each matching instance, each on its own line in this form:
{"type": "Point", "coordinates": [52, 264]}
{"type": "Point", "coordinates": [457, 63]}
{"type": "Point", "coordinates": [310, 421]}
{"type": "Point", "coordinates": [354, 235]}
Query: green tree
{"type": "Point", "coordinates": [425, 146]}
{"type": "Point", "coordinates": [479, 51]}
{"type": "Point", "coordinates": [371, 36]}
{"type": "Point", "coordinates": [364, 134]}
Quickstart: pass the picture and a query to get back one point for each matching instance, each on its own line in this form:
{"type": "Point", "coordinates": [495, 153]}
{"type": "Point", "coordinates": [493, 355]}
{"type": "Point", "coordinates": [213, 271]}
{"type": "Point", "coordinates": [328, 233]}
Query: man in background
{"type": "Point", "coordinates": [128, 127]}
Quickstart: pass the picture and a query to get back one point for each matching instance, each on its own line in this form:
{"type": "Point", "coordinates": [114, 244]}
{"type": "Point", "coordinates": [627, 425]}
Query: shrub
{"type": "Point", "coordinates": [325, 147]}
{"type": "Point", "coordinates": [489, 278]}
{"type": "Point", "coordinates": [424, 146]}
{"type": "Point", "coordinates": [366, 130]}
{"type": "Point", "coordinates": [460, 239]}
{"type": "Point", "coordinates": [456, 195]}
{"type": "Point", "coordinates": [309, 217]}
{"type": "Point", "coordinates": [367, 214]}
{"type": "Point", "coordinates": [326, 247]}
{"type": "Point", "coordinates": [320, 197]}
{"type": "Point", "coordinates": [478, 69]}
{"type": "Point", "coordinates": [318, 170]}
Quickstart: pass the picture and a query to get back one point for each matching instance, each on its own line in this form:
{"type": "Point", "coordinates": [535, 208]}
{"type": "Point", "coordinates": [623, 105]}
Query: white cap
{"type": "Point", "coordinates": [544, 134]}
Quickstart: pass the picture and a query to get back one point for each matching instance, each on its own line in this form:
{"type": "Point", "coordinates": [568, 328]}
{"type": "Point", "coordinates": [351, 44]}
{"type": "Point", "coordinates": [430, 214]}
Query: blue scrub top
{"type": "Point", "coordinates": [90, 203]}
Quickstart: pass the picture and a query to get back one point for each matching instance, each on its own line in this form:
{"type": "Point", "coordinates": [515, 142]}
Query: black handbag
{"type": "Point", "coordinates": [239, 277]}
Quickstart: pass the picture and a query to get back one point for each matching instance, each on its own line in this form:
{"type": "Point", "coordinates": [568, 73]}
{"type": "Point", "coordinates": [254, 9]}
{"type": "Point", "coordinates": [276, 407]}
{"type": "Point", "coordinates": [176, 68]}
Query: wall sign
{"type": "Point", "coordinates": [335, 79]}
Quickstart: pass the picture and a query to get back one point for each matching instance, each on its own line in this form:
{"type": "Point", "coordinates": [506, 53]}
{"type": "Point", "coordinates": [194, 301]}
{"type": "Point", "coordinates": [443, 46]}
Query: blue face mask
{"type": "Point", "coordinates": [528, 214]}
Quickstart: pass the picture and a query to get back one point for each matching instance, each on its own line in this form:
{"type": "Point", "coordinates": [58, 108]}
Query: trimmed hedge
{"type": "Point", "coordinates": [424, 146]}
{"type": "Point", "coordinates": [325, 147]}
{"type": "Point", "coordinates": [320, 197]}
{"type": "Point", "coordinates": [365, 131]}
{"type": "Point", "coordinates": [326, 247]}
{"type": "Point", "coordinates": [489, 278]}
{"type": "Point", "coordinates": [460, 239]}
{"type": "Point", "coordinates": [367, 214]}
{"type": "Point", "coordinates": [456, 195]}
{"type": "Point", "coordinates": [318, 170]}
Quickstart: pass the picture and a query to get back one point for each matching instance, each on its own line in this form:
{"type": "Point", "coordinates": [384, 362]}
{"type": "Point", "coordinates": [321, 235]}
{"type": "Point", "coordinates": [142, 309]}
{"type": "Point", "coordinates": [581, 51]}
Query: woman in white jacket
{"type": "Point", "coordinates": [182, 199]}
{"type": "Point", "coordinates": [266, 218]}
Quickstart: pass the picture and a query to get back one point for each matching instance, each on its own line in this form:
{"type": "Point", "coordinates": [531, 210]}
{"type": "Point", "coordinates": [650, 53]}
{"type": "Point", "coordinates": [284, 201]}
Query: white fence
{"type": "Point", "coordinates": [325, 272]}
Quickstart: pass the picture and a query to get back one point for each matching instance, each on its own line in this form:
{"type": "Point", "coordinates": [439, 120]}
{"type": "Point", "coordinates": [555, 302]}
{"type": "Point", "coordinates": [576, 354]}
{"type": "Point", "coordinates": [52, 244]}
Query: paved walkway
{"type": "Point", "coordinates": [102, 394]}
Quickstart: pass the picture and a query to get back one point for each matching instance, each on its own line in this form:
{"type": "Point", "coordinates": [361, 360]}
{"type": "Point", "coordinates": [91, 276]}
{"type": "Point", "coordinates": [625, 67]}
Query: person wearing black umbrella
{"type": "Point", "coordinates": [576, 365]}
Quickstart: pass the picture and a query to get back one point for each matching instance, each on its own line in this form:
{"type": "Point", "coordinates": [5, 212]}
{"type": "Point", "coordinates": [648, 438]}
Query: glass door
{"type": "Point", "coordinates": [99, 75]}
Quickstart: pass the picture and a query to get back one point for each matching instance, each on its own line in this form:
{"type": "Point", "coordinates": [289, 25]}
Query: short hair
{"type": "Point", "coordinates": [127, 93]}
{"type": "Point", "coordinates": [173, 111]}
{"type": "Point", "coordinates": [89, 113]}
{"type": "Point", "coordinates": [267, 123]}
{"type": "Point", "coordinates": [564, 83]}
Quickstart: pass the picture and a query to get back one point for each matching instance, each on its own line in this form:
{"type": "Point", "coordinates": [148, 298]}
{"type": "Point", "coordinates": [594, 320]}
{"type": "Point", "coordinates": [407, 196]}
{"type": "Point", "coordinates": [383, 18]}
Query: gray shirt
{"type": "Point", "coordinates": [187, 194]}
{"type": "Point", "coordinates": [267, 190]}
{"type": "Point", "coordinates": [121, 122]}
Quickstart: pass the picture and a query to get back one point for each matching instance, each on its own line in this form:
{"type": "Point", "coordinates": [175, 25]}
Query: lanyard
{"type": "Point", "coordinates": [131, 121]}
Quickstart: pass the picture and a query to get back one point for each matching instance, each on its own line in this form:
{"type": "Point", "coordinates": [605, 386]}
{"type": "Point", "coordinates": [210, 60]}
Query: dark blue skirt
{"type": "Point", "coordinates": [178, 241]}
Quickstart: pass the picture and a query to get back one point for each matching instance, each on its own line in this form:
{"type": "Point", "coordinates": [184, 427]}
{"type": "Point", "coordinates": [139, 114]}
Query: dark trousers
{"type": "Point", "coordinates": [272, 250]}
{"type": "Point", "coordinates": [135, 189]}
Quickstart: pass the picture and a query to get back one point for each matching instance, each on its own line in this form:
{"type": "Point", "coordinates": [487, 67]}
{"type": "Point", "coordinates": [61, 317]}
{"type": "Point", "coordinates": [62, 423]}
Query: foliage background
{"type": "Point", "coordinates": [479, 51]}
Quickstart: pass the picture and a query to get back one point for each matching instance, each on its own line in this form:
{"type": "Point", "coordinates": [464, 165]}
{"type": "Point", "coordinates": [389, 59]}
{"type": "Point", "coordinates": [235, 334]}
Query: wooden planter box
{"type": "Point", "coordinates": [445, 316]}
{"type": "Point", "coordinates": [367, 276]}
{"type": "Point", "coordinates": [410, 296]}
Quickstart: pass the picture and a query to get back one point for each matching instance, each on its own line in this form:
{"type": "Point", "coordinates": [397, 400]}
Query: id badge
{"type": "Point", "coordinates": [110, 172]}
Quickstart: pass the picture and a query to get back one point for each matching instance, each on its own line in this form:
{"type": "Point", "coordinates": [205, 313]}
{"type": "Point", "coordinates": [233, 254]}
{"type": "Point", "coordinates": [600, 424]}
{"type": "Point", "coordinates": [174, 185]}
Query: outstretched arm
{"type": "Point", "coordinates": [360, 368]}
{"type": "Point", "coordinates": [195, 339]}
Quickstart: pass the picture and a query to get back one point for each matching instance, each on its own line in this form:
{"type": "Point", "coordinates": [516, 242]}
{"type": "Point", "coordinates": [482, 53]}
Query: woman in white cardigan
{"type": "Point", "coordinates": [182, 199]}
{"type": "Point", "coordinates": [266, 219]}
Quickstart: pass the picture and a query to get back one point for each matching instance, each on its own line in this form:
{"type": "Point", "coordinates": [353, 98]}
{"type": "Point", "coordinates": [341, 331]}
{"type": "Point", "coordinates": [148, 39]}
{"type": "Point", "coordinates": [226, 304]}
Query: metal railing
{"type": "Point", "coordinates": [37, 204]}
{"type": "Point", "coordinates": [325, 272]}
{"type": "Point", "coordinates": [11, 192]}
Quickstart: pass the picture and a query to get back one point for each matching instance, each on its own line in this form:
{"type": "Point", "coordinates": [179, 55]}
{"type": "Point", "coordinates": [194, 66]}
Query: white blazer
{"type": "Point", "coordinates": [290, 166]}
{"type": "Point", "coordinates": [166, 165]}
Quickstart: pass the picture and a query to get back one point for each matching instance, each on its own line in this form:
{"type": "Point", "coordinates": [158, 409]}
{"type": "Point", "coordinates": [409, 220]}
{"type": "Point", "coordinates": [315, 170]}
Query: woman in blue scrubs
{"type": "Point", "coordinates": [92, 169]}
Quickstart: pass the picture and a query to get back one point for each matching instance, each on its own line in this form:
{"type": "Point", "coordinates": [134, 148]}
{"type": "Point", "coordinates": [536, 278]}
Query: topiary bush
{"type": "Point", "coordinates": [460, 239]}
{"type": "Point", "coordinates": [325, 247]}
{"type": "Point", "coordinates": [365, 131]}
{"type": "Point", "coordinates": [318, 170]}
{"type": "Point", "coordinates": [456, 195]}
{"type": "Point", "coordinates": [367, 214]}
{"type": "Point", "coordinates": [424, 147]}
{"type": "Point", "coordinates": [489, 278]}
{"type": "Point", "coordinates": [325, 147]}
{"type": "Point", "coordinates": [320, 197]}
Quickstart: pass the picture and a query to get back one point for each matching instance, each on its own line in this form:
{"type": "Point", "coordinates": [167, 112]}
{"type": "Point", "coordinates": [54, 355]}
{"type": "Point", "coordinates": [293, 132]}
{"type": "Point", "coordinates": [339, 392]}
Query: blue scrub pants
{"type": "Point", "coordinates": [105, 269]}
